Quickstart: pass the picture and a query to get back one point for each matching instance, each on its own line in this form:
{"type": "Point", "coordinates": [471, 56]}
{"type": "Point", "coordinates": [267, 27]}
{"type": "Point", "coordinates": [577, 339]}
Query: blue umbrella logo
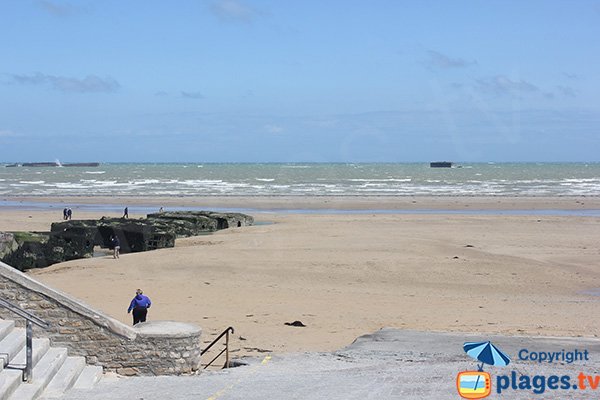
{"type": "Point", "coordinates": [487, 353]}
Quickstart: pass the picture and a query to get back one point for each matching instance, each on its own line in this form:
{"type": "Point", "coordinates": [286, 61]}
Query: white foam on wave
{"type": "Point", "coordinates": [194, 182]}
{"type": "Point", "coordinates": [145, 182]}
{"type": "Point", "coordinates": [377, 190]}
{"type": "Point", "coordinates": [166, 192]}
{"type": "Point", "coordinates": [382, 180]}
{"type": "Point", "coordinates": [381, 185]}
{"type": "Point", "coordinates": [32, 182]}
{"type": "Point", "coordinates": [88, 185]}
{"type": "Point", "coordinates": [582, 180]}
{"type": "Point", "coordinates": [63, 185]}
{"type": "Point", "coordinates": [265, 179]}
{"type": "Point", "coordinates": [94, 172]}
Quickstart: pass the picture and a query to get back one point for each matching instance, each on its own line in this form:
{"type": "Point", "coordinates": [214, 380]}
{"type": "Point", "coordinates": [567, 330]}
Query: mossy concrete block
{"type": "Point", "coordinates": [75, 239]}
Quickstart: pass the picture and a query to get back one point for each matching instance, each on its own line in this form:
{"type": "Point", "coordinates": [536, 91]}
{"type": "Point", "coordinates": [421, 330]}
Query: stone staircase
{"type": "Point", "coordinates": [54, 372]}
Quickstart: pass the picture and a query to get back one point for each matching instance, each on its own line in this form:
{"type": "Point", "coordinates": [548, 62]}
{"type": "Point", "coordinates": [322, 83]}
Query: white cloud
{"type": "Point", "coordinates": [501, 84]}
{"type": "Point", "coordinates": [233, 10]}
{"type": "Point", "coordinates": [6, 133]}
{"type": "Point", "coordinates": [570, 75]}
{"type": "Point", "coordinates": [439, 60]}
{"type": "Point", "coordinates": [192, 95]}
{"type": "Point", "coordinates": [58, 9]}
{"type": "Point", "coordinates": [89, 84]}
{"type": "Point", "coordinates": [567, 91]}
{"type": "Point", "coordinates": [274, 129]}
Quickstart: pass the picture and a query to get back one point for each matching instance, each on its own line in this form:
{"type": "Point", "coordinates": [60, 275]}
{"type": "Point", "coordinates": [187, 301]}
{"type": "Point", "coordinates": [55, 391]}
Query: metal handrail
{"type": "Point", "coordinates": [225, 350]}
{"type": "Point", "coordinates": [29, 320]}
{"type": "Point", "coordinates": [24, 313]}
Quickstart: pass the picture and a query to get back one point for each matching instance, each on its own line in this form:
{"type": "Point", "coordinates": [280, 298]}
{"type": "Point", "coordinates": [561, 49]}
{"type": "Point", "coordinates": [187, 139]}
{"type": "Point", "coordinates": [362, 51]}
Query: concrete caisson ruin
{"type": "Point", "coordinates": [75, 239]}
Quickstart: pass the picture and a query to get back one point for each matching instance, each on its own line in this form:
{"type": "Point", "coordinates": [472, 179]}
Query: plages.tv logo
{"type": "Point", "coordinates": [478, 384]}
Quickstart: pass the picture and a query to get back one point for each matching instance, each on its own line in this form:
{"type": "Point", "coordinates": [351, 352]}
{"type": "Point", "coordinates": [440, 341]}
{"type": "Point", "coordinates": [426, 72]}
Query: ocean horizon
{"type": "Point", "coordinates": [303, 179]}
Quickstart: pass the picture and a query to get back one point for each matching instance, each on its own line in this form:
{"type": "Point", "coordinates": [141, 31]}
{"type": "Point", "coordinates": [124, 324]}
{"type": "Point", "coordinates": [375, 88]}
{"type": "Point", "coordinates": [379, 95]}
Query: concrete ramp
{"type": "Point", "coordinates": [388, 364]}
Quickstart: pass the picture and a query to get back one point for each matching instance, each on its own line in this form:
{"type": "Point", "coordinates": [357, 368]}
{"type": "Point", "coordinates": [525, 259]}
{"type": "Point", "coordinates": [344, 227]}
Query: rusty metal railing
{"type": "Point", "coordinates": [225, 350]}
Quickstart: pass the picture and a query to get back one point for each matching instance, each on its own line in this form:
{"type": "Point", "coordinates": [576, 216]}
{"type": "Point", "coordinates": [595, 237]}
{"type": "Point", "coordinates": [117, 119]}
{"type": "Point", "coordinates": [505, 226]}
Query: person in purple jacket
{"type": "Point", "coordinates": [140, 305]}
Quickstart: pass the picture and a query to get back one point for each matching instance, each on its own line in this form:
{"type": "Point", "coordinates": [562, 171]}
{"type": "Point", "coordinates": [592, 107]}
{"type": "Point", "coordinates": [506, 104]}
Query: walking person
{"type": "Point", "coordinates": [126, 213]}
{"type": "Point", "coordinates": [69, 213]}
{"type": "Point", "coordinates": [139, 305]}
{"type": "Point", "coordinates": [65, 215]}
{"type": "Point", "coordinates": [116, 244]}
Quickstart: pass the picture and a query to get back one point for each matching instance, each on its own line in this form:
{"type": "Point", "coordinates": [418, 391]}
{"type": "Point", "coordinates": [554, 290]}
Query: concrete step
{"type": "Point", "coordinates": [39, 347]}
{"type": "Point", "coordinates": [43, 373]}
{"type": "Point", "coordinates": [90, 375]}
{"type": "Point", "coordinates": [11, 345]}
{"type": "Point", "coordinates": [10, 379]}
{"type": "Point", "coordinates": [5, 327]}
{"type": "Point", "coordinates": [65, 378]}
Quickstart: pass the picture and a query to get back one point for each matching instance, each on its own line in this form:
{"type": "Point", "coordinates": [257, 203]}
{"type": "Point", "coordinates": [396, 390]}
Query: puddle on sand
{"type": "Point", "coordinates": [591, 292]}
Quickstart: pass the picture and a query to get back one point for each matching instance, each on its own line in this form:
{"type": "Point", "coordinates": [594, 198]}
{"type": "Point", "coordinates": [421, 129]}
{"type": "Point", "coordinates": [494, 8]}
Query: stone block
{"type": "Point", "coordinates": [67, 331]}
{"type": "Point", "coordinates": [91, 359]}
{"type": "Point", "coordinates": [44, 304]}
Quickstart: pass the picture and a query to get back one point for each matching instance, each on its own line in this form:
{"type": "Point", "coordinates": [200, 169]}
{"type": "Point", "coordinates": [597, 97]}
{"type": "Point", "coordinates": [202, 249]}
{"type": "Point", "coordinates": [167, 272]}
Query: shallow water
{"type": "Point", "coordinates": [114, 208]}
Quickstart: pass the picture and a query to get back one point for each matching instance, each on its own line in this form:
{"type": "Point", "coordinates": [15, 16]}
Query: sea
{"type": "Point", "coordinates": [303, 179]}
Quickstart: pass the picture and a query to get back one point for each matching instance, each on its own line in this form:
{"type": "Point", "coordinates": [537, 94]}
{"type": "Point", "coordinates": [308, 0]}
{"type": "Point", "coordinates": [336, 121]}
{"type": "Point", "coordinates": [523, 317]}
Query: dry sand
{"type": "Point", "coordinates": [345, 275]}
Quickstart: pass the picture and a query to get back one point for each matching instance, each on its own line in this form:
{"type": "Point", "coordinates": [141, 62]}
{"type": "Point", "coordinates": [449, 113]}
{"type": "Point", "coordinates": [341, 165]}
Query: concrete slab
{"type": "Point", "coordinates": [42, 373]}
{"type": "Point", "coordinates": [389, 364]}
{"type": "Point", "coordinates": [90, 375]}
{"type": "Point", "coordinates": [11, 345]}
{"type": "Point", "coordinates": [39, 347]}
{"type": "Point", "coordinates": [167, 328]}
{"type": "Point", "coordinates": [65, 378]}
{"type": "Point", "coordinates": [10, 379]}
{"type": "Point", "coordinates": [5, 327]}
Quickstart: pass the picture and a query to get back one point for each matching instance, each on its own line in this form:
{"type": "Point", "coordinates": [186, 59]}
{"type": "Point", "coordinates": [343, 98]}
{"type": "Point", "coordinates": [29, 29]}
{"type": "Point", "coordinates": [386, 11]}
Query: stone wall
{"type": "Point", "coordinates": [151, 348]}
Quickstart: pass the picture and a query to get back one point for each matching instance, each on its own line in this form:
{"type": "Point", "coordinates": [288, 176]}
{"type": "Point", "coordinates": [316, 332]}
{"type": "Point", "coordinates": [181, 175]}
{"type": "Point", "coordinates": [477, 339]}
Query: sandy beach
{"type": "Point", "coordinates": [344, 275]}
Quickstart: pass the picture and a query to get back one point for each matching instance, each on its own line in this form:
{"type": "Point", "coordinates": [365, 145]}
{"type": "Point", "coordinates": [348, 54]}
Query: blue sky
{"type": "Point", "coordinates": [322, 81]}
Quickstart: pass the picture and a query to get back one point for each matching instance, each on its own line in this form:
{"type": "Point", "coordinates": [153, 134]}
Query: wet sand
{"type": "Point", "coordinates": [273, 203]}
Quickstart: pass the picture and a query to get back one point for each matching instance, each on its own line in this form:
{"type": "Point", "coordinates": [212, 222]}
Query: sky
{"type": "Point", "coordinates": [299, 81]}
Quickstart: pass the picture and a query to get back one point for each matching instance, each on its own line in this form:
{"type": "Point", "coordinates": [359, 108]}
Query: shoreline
{"type": "Point", "coordinates": [282, 203]}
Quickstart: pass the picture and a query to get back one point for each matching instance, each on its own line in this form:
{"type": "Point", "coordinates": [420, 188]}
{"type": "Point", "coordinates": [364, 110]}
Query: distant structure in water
{"type": "Point", "coordinates": [440, 164]}
{"type": "Point", "coordinates": [56, 164]}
